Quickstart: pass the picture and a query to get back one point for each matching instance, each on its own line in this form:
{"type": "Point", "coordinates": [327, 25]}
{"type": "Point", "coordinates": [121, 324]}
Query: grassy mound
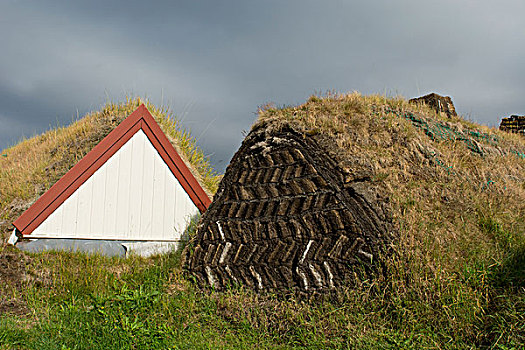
{"type": "Point", "coordinates": [302, 200]}
{"type": "Point", "coordinates": [456, 189]}
{"type": "Point", "coordinates": [457, 193]}
{"type": "Point", "coordinates": [456, 280]}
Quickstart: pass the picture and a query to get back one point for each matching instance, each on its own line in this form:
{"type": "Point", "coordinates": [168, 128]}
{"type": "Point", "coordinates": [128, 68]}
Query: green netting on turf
{"type": "Point", "coordinates": [477, 142]}
{"type": "Point", "coordinates": [438, 131]}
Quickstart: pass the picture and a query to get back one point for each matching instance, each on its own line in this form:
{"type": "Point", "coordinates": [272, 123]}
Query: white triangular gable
{"type": "Point", "coordinates": [133, 196]}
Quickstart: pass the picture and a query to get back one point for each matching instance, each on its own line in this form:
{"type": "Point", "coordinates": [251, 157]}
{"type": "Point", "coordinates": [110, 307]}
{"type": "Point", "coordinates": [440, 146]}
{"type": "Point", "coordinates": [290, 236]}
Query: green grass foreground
{"type": "Point", "coordinates": [78, 301]}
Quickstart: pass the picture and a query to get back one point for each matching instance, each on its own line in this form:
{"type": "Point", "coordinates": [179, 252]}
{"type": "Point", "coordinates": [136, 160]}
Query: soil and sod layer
{"type": "Point", "coordinates": [306, 202]}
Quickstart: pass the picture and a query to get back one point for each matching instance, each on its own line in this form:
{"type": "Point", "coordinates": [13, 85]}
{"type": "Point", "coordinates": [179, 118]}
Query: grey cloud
{"type": "Point", "coordinates": [223, 59]}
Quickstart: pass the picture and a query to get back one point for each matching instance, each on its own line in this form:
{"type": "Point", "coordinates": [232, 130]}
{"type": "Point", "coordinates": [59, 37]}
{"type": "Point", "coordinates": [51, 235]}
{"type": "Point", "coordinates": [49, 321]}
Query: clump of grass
{"type": "Point", "coordinates": [31, 167]}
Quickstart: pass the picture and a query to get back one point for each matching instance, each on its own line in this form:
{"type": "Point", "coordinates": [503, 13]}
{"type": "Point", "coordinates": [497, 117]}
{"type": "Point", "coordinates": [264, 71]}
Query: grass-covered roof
{"type": "Point", "coordinates": [456, 188]}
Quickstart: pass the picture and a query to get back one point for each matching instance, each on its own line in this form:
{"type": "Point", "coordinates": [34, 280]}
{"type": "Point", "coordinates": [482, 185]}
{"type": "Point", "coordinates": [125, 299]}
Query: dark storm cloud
{"type": "Point", "coordinates": [215, 62]}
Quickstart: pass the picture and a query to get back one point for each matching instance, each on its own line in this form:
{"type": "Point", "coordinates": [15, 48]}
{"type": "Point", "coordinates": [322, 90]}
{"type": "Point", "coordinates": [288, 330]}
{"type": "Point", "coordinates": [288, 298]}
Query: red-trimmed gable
{"type": "Point", "coordinates": [140, 119]}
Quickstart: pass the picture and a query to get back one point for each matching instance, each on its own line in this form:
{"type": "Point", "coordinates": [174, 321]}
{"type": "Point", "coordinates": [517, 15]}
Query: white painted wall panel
{"type": "Point", "coordinates": [111, 199]}
{"type": "Point", "coordinates": [169, 202]}
{"type": "Point", "coordinates": [123, 194]}
{"type": "Point", "coordinates": [69, 215]}
{"type": "Point", "coordinates": [55, 226]}
{"type": "Point", "coordinates": [133, 196]}
{"type": "Point", "coordinates": [97, 205]}
{"type": "Point", "coordinates": [159, 195]}
{"type": "Point", "coordinates": [135, 199]}
{"type": "Point", "coordinates": [148, 172]}
{"type": "Point", "coordinates": [84, 210]}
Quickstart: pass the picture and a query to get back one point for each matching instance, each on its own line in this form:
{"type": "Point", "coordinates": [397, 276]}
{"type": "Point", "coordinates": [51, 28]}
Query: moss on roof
{"type": "Point", "coordinates": [31, 167]}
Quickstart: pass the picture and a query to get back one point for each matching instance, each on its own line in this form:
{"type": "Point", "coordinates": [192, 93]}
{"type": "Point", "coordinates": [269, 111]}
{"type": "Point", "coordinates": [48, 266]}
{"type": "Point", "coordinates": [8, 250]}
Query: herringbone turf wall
{"type": "Point", "coordinates": [283, 218]}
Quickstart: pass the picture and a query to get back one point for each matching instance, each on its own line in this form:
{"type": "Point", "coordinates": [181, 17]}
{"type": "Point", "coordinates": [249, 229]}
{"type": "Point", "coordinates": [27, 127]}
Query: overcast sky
{"type": "Point", "coordinates": [214, 62]}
